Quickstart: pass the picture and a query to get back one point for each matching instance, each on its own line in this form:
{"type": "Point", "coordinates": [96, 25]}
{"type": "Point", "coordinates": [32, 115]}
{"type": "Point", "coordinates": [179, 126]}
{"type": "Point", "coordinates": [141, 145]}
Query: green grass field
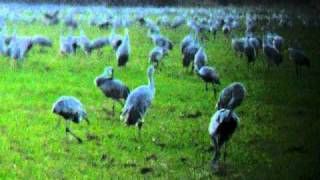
{"type": "Point", "coordinates": [278, 135]}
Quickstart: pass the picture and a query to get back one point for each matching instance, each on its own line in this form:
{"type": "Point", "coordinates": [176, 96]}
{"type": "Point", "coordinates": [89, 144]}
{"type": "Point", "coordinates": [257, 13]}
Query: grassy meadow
{"type": "Point", "coordinates": [278, 134]}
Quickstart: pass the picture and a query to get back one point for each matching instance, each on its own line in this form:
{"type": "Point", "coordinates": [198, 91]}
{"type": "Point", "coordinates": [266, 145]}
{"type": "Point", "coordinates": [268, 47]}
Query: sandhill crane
{"type": "Point", "coordinates": [273, 56]}
{"type": "Point", "coordinates": [249, 51]}
{"type": "Point", "coordinates": [51, 18]}
{"type": "Point", "coordinates": [41, 41]}
{"type": "Point", "coordinates": [209, 75]}
{"type": "Point", "coordinates": [200, 59]}
{"type": "Point", "coordinates": [115, 39]}
{"type": "Point", "coordinates": [112, 88]}
{"type": "Point", "coordinates": [156, 55]}
{"type": "Point", "coordinates": [231, 96]}
{"type": "Point", "coordinates": [177, 21]}
{"type": "Point", "coordinates": [226, 29]}
{"type": "Point", "coordinates": [70, 21]}
{"type": "Point", "coordinates": [123, 51]}
{"type": "Point", "coordinates": [99, 43]}
{"type": "Point", "coordinates": [71, 109]}
{"type": "Point", "coordinates": [68, 44]}
{"type": "Point", "coordinates": [138, 102]}
{"type": "Point", "coordinates": [222, 126]}
{"type": "Point", "coordinates": [237, 45]}
{"type": "Point", "coordinates": [214, 29]}
{"type": "Point", "coordinates": [190, 51]}
{"type": "Point", "coordinates": [277, 42]}
{"type": "Point", "coordinates": [25, 45]}
{"type": "Point", "coordinates": [256, 42]}
{"type": "Point", "coordinates": [161, 41]}
{"type": "Point", "coordinates": [299, 58]}
{"type": "Point", "coordinates": [84, 42]}
{"type": "Point", "coordinates": [185, 42]}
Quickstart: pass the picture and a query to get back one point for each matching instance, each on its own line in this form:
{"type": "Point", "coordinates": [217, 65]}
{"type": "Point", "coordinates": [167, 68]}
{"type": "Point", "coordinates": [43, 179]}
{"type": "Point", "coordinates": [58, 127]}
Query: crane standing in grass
{"type": "Point", "coordinates": [299, 58]}
{"type": "Point", "coordinates": [209, 75]}
{"type": "Point", "coordinates": [112, 88]}
{"type": "Point", "coordinates": [123, 51]}
{"type": "Point", "coordinates": [231, 96]}
{"type": "Point", "coordinates": [71, 109]}
{"type": "Point", "coordinates": [222, 126]}
{"type": "Point", "coordinates": [138, 102]}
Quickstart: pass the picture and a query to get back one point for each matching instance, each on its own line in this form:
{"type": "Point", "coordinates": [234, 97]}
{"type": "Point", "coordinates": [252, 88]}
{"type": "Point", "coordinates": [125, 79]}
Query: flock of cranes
{"type": "Point", "coordinates": [202, 23]}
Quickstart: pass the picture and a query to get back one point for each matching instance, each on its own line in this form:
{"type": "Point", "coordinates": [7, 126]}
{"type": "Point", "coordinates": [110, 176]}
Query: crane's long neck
{"type": "Point", "coordinates": [151, 81]}
{"type": "Point", "coordinates": [112, 73]}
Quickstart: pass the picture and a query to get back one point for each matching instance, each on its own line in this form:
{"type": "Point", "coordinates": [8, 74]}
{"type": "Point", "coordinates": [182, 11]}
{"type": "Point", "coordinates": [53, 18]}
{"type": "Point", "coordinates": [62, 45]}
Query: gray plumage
{"type": "Point", "coordinates": [249, 51]}
{"type": "Point", "coordinates": [200, 59]}
{"type": "Point", "coordinates": [299, 58]}
{"type": "Point", "coordinates": [138, 102]}
{"type": "Point", "coordinates": [221, 128]}
{"type": "Point", "coordinates": [99, 43]}
{"type": "Point", "coordinates": [111, 87]}
{"type": "Point", "coordinates": [257, 43]}
{"type": "Point", "coordinates": [51, 18]}
{"type": "Point", "coordinates": [277, 42]}
{"type": "Point", "coordinates": [185, 42]}
{"type": "Point", "coordinates": [226, 29]}
{"type": "Point", "coordinates": [231, 96]}
{"type": "Point", "coordinates": [41, 41]}
{"type": "Point", "coordinates": [161, 41]}
{"type": "Point", "coordinates": [209, 75]}
{"type": "Point", "coordinates": [71, 109]}
{"type": "Point", "coordinates": [189, 54]}
{"type": "Point", "coordinates": [238, 45]}
{"type": "Point", "coordinates": [69, 21]}
{"type": "Point", "coordinates": [115, 39]}
{"type": "Point", "coordinates": [19, 47]}
{"type": "Point", "coordinates": [84, 43]}
{"type": "Point", "coordinates": [123, 51]}
{"type": "Point", "coordinates": [273, 56]}
{"type": "Point", "coordinates": [68, 44]}
{"type": "Point", "coordinates": [156, 55]}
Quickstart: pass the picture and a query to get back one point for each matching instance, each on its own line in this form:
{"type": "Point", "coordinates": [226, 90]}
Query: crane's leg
{"type": "Point", "coordinates": [140, 123]}
{"type": "Point", "coordinates": [58, 123]}
{"type": "Point", "coordinates": [216, 154]}
{"type": "Point", "coordinates": [225, 153]}
{"type": "Point", "coordinates": [214, 91]}
{"type": "Point", "coordinates": [69, 131]}
{"type": "Point", "coordinates": [192, 68]}
{"type": "Point", "coordinates": [113, 108]}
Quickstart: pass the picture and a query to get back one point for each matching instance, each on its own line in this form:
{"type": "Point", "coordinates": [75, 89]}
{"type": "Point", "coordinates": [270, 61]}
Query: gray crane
{"type": "Point", "coordinates": [299, 58]}
{"type": "Point", "coordinates": [273, 55]}
{"type": "Point", "coordinates": [123, 51]}
{"type": "Point", "coordinates": [71, 109]}
{"type": "Point", "coordinates": [221, 128]}
{"type": "Point", "coordinates": [209, 75]}
{"type": "Point", "coordinates": [231, 96]}
{"type": "Point", "coordinates": [138, 102]}
{"type": "Point", "coordinates": [250, 51]}
{"type": "Point", "coordinates": [111, 87]}
{"type": "Point", "coordinates": [156, 55]}
{"type": "Point", "coordinates": [200, 59]}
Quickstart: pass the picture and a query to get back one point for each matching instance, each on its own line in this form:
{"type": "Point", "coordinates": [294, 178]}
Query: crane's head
{"type": "Point", "coordinates": [108, 72]}
{"type": "Point", "coordinates": [83, 115]}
